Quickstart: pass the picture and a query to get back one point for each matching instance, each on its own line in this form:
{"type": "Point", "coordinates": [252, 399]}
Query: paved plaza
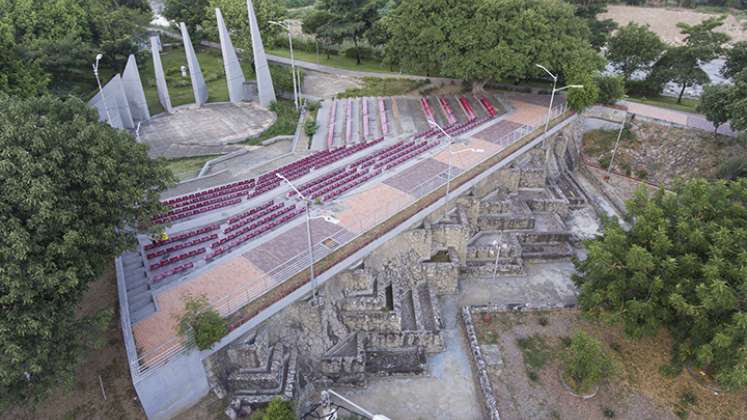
{"type": "Point", "coordinates": [207, 130]}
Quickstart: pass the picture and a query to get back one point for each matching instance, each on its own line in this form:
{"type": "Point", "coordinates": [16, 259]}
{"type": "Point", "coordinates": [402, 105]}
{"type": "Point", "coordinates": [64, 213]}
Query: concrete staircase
{"type": "Point", "coordinates": [139, 294]}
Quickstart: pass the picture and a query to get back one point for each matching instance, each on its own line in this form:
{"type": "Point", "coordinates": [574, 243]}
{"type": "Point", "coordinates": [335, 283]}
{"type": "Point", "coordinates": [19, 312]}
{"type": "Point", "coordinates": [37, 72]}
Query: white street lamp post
{"type": "Point", "coordinates": [296, 86]}
{"type": "Point", "coordinates": [554, 90]}
{"type": "Point", "coordinates": [101, 89]}
{"type": "Point", "coordinates": [497, 255]}
{"type": "Point", "coordinates": [308, 232]}
{"type": "Point", "coordinates": [617, 142]}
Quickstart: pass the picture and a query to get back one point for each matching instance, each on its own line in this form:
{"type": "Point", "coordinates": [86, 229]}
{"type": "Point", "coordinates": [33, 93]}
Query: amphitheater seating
{"type": "Point", "coordinates": [181, 236]}
{"type": "Point", "coordinates": [364, 103]}
{"type": "Point", "coordinates": [382, 116]}
{"type": "Point", "coordinates": [467, 108]}
{"type": "Point", "coordinates": [157, 278]}
{"type": "Point", "coordinates": [181, 246]}
{"type": "Point", "coordinates": [331, 127]}
{"type": "Point", "coordinates": [447, 110]}
{"type": "Point", "coordinates": [488, 106]}
{"type": "Point", "coordinates": [172, 260]}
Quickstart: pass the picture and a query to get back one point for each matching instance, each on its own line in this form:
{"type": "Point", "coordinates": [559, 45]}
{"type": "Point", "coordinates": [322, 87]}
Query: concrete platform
{"type": "Point", "coordinates": [210, 129]}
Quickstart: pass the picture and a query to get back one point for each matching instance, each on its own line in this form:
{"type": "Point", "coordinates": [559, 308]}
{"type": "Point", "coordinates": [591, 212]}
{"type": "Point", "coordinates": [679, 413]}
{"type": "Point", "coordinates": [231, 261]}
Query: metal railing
{"type": "Point", "coordinates": [150, 360]}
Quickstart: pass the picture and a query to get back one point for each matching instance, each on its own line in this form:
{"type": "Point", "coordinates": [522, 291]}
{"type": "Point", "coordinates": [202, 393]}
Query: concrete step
{"type": "Point", "coordinates": [142, 312]}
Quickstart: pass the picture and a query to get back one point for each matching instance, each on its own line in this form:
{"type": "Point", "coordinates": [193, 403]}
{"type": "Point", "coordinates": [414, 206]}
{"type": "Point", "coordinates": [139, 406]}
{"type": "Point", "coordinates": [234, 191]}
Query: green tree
{"type": "Point", "coordinates": [21, 75]}
{"type": "Point", "coordinates": [340, 20]}
{"type": "Point", "coordinates": [72, 189]}
{"type": "Point", "coordinates": [736, 59]}
{"type": "Point", "coordinates": [200, 321]}
{"type": "Point", "coordinates": [438, 37]}
{"type": "Point", "coordinates": [714, 104]}
{"type": "Point", "coordinates": [681, 64]}
{"type": "Point", "coordinates": [600, 29]}
{"type": "Point", "coordinates": [634, 48]}
{"type": "Point", "coordinates": [738, 105]}
{"type": "Point", "coordinates": [235, 14]}
{"type": "Point", "coordinates": [611, 89]}
{"type": "Point", "coordinates": [585, 362]}
{"type": "Point", "coordinates": [191, 12]}
{"type": "Point", "coordinates": [679, 266]}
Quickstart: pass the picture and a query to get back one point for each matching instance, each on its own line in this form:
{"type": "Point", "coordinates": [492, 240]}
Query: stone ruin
{"type": "Point", "coordinates": [382, 317]}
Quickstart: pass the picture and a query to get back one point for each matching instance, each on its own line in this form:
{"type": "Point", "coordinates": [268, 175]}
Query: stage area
{"type": "Point", "coordinates": [208, 130]}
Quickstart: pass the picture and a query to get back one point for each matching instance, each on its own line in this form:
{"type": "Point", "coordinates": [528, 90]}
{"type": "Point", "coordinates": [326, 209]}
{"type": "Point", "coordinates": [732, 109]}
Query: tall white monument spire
{"type": "Point", "coordinates": [234, 74]}
{"type": "Point", "coordinates": [133, 88]}
{"type": "Point", "coordinates": [161, 87]}
{"type": "Point", "coordinates": [195, 74]}
{"type": "Point", "coordinates": [262, 70]}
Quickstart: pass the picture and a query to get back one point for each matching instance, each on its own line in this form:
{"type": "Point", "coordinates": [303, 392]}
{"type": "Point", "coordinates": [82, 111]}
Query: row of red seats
{"type": "Point", "coordinates": [331, 187]}
{"type": "Point", "coordinates": [195, 212]}
{"type": "Point", "coordinates": [350, 185]}
{"type": "Point", "coordinates": [446, 108]}
{"type": "Point", "coordinates": [176, 258]}
{"type": "Point", "coordinates": [317, 181]}
{"type": "Point", "coordinates": [210, 191]}
{"type": "Point", "coordinates": [220, 194]}
{"type": "Point", "coordinates": [277, 212]}
{"type": "Point", "coordinates": [382, 116]}
{"type": "Point", "coordinates": [468, 108]}
{"type": "Point", "coordinates": [183, 245]}
{"type": "Point", "coordinates": [464, 127]}
{"type": "Point", "coordinates": [184, 267]}
{"type": "Point", "coordinates": [310, 193]}
{"type": "Point", "coordinates": [236, 218]}
{"type": "Point", "coordinates": [201, 204]}
{"type": "Point", "coordinates": [402, 150]}
{"type": "Point", "coordinates": [220, 250]}
{"type": "Point", "coordinates": [182, 236]}
{"type": "Point", "coordinates": [254, 217]}
{"type": "Point", "coordinates": [488, 106]}
{"type": "Point", "coordinates": [427, 109]}
{"type": "Point", "coordinates": [331, 126]}
{"type": "Point", "coordinates": [405, 158]}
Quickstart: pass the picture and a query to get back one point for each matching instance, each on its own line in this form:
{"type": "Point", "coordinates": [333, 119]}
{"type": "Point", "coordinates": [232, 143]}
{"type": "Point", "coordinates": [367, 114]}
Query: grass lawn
{"type": "Point", "coordinates": [187, 168]}
{"type": "Point", "coordinates": [180, 88]}
{"type": "Point", "coordinates": [383, 87]}
{"type": "Point", "coordinates": [687, 105]}
{"type": "Point", "coordinates": [333, 61]}
{"type": "Point", "coordinates": [284, 126]}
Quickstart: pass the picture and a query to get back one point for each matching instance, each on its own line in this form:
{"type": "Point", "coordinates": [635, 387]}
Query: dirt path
{"type": "Point", "coordinates": [664, 21]}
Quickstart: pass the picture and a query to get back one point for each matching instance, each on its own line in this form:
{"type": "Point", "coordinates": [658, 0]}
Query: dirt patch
{"type": "Point", "coordinates": [661, 154]}
{"type": "Point", "coordinates": [528, 383]}
{"type": "Point", "coordinates": [83, 398]}
{"type": "Point", "coordinates": [664, 21]}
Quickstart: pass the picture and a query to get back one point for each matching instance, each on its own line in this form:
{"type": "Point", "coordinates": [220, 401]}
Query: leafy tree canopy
{"type": "Point", "coordinates": [55, 41]}
{"type": "Point", "coordinates": [336, 21]}
{"type": "Point", "coordinates": [736, 59]}
{"type": "Point", "coordinates": [483, 40]}
{"type": "Point", "coordinates": [72, 189]}
{"type": "Point", "coordinates": [235, 14]}
{"type": "Point", "coordinates": [714, 104]}
{"type": "Point", "coordinates": [680, 266]}
{"type": "Point", "coordinates": [681, 66]}
{"type": "Point", "coordinates": [738, 106]}
{"type": "Point", "coordinates": [633, 48]}
{"type": "Point", "coordinates": [191, 12]}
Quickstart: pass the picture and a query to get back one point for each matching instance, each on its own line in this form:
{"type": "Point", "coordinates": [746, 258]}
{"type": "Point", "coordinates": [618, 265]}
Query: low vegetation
{"type": "Point", "coordinates": [186, 168]}
{"type": "Point", "coordinates": [285, 125]}
{"type": "Point", "coordinates": [201, 322]}
{"type": "Point", "coordinates": [585, 362]}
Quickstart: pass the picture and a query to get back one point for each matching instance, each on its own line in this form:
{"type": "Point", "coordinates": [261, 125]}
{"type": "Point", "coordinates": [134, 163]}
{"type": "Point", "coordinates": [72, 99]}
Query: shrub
{"type": "Point", "coordinates": [646, 88]}
{"type": "Point", "coordinates": [611, 88]}
{"type": "Point", "coordinates": [202, 321]}
{"type": "Point", "coordinates": [277, 409]}
{"type": "Point", "coordinates": [310, 127]}
{"type": "Point", "coordinates": [313, 106]}
{"type": "Point", "coordinates": [608, 412]}
{"type": "Point", "coordinates": [585, 362]}
{"type": "Point", "coordinates": [733, 168]}
{"type": "Point", "coordinates": [366, 53]}
{"type": "Point", "coordinates": [543, 321]}
{"type": "Point", "coordinates": [604, 161]}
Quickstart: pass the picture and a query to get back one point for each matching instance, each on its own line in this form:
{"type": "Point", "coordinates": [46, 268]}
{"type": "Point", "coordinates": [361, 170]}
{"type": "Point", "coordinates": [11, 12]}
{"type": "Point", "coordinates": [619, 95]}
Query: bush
{"type": "Point", "coordinates": [611, 88]}
{"type": "Point", "coordinates": [313, 106]}
{"type": "Point", "coordinates": [203, 322]}
{"type": "Point", "coordinates": [366, 53]}
{"type": "Point", "coordinates": [608, 412]}
{"type": "Point", "coordinates": [310, 127]}
{"type": "Point", "coordinates": [585, 362]}
{"type": "Point", "coordinates": [733, 168]}
{"type": "Point", "coordinates": [282, 77]}
{"type": "Point", "coordinates": [277, 409]}
{"type": "Point", "coordinates": [644, 88]}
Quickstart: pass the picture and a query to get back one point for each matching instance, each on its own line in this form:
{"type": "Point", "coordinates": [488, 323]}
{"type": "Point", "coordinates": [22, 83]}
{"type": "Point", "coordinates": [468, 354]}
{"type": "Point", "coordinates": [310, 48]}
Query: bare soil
{"type": "Point", "coordinates": [664, 21]}
{"type": "Point", "coordinates": [637, 390]}
{"type": "Point", "coordinates": [83, 399]}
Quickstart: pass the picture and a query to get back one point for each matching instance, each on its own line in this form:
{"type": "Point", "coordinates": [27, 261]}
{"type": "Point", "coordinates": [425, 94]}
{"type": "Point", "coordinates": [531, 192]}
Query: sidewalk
{"type": "Point", "coordinates": [684, 119]}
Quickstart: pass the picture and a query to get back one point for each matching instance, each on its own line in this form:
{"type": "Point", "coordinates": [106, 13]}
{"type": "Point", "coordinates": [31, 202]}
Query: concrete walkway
{"type": "Point", "coordinates": [681, 118]}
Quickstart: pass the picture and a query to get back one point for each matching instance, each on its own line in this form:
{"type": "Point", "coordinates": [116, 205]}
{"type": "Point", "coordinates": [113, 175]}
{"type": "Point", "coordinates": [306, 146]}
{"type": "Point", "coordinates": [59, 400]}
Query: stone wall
{"type": "Point", "coordinates": [415, 240]}
{"type": "Point", "coordinates": [443, 277]}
